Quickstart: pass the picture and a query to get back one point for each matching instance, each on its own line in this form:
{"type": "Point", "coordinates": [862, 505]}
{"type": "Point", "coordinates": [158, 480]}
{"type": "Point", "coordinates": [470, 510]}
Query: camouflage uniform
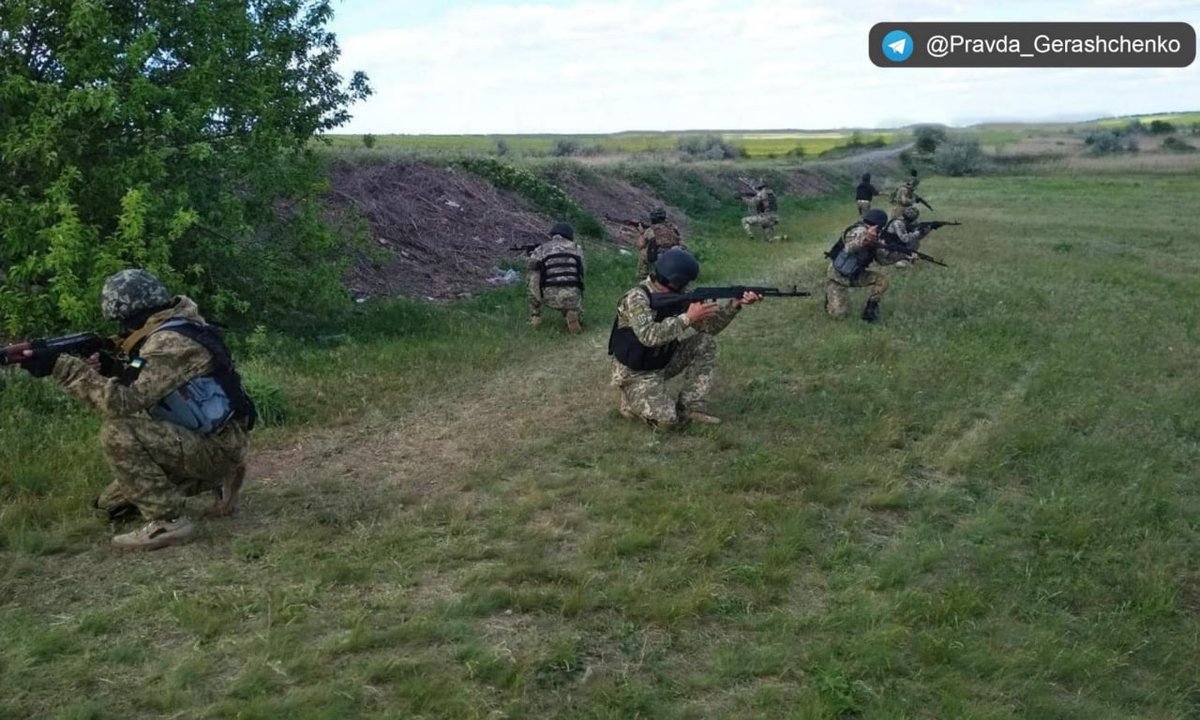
{"type": "Point", "coordinates": [564, 299]}
{"type": "Point", "coordinates": [904, 197]}
{"type": "Point", "coordinates": [663, 236]}
{"type": "Point", "coordinates": [155, 462]}
{"type": "Point", "coordinates": [763, 216]}
{"type": "Point", "coordinates": [837, 297]}
{"type": "Point", "coordinates": [644, 393]}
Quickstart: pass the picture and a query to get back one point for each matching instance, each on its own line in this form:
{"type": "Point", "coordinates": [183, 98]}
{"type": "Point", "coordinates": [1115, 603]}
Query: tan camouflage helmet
{"type": "Point", "coordinates": [130, 293]}
{"type": "Point", "coordinates": [911, 214]}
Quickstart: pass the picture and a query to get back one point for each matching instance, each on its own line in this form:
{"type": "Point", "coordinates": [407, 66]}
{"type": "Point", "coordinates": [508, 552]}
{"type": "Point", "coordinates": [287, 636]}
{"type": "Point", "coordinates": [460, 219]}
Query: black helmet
{"type": "Point", "coordinates": [875, 217]}
{"type": "Point", "coordinates": [658, 215]}
{"type": "Point", "coordinates": [564, 229]}
{"type": "Point", "coordinates": [866, 177]}
{"type": "Point", "coordinates": [676, 268]}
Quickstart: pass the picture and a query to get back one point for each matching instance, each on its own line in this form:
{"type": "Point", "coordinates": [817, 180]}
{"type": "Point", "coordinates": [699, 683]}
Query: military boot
{"type": "Point", "coordinates": [871, 311]}
{"type": "Point", "coordinates": [573, 325]}
{"type": "Point", "coordinates": [535, 320]}
{"type": "Point", "coordinates": [155, 535]}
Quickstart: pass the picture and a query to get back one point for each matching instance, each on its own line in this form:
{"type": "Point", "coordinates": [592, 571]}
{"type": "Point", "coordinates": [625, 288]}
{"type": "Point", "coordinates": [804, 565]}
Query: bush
{"type": "Point", "coordinates": [1161, 127]}
{"type": "Point", "coordinates": [711, 147]}
{"type": "Point", "coordinates": [960, 157]}
{"type": "Point", "coordinates": [797, 152]}
{"type": "Point", "coordinates": [1135, 127]}
{"type": "Point", "coordinates": [927, 138]}
{"type": "Point", "coordinates": [502, 148]}
{"type": "Point", "coordinates": [1174, 144]}
{"type": "Point", "coordinates": [1103, 142]}
{"type": "Point", "coordinates": [122, 148]}
{"type": "Point", "coordinates": [368, 141]}
{"type": "Point", "coordinates": [564, 147]}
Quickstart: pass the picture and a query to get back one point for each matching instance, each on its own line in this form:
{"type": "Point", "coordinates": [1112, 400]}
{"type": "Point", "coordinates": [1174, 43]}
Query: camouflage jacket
{"type": "Point", "coordinates": [857, 243]}
{"type": "Point", "coordinates": [554, 246]}
{"type": "Point", "coordinates": [169, 361]}
{"type": "Point", "coordinates": [663, 236]}
{"type": "Point", "coordinates": [897, 231]}
{"type": "Point", "coordinates": [634, 311]}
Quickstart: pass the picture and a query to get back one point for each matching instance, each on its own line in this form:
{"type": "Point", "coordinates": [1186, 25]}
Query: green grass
{"type": "Point", "coordinates": [983, 507]}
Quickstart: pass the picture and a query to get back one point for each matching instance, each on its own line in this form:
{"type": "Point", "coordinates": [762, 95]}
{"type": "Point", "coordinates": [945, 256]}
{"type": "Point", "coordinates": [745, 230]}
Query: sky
{"type": "Point", "coordinates": [592, 66]}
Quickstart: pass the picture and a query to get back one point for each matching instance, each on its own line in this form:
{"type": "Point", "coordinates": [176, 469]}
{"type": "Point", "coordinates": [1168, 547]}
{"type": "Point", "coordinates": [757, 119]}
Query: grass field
{"type": "Point", "coordinates": [756, 145]}
{"type": "Point", "coordinates": [983, 507]}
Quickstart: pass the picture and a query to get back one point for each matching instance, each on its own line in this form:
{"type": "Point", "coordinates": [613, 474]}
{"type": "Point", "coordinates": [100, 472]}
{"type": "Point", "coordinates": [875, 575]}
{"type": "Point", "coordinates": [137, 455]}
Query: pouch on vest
{"type": "Point", "coordinates": [565, 271]}
{"type": "Point", "coordinates": [772, 203]}
{"type": "Point", "coordinates": [848, 263]}
{"type": "Point", "coordinates": [205, 404]}
{"type": "Point", "coordinates": [200, 405]}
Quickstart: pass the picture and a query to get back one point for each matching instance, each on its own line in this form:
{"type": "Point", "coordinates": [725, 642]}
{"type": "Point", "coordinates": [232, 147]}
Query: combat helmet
{"type": "Point", "coordinates": [875, 217]}
{"type": "Point", "coordinates": [564, 229]}
{"type": "Point", "coordinates": [911, 214]}
{"type": "Point", "coordinates": [676, 268]}
{"type": "Point", "coordinates": [658, 215]}
{"type": "Point", "coordinates": [132, 294]}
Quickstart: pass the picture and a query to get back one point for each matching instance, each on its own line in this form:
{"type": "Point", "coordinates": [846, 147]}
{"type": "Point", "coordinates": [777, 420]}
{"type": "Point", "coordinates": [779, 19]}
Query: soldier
{"type": "Point", "coordinates": [903, 231]}
{"type": "Point", "coordinates": [905, 196]}
{"type": "Point", "coordinates": [649, 347]}
{"type": "Point", "coordinates": [864, 193]}
{"type": "Point", "coordinates": [766, 211]}
{"type": "Point", "coordinates": [176, 416]}
{"type": "Point", "coordinates": [860, 245]}
{"type": "Point", "coordinates": [555, 278]}
{"type": "Point", "coordinates": [655, 240]}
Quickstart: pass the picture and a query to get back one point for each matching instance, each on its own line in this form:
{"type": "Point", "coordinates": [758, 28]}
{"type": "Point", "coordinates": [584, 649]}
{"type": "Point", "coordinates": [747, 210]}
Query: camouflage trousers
{"type": "Point", "coordinates": [764, 220]}
{"type": "Point", "coordinates": [563, 299]}
{"type": "Point", "coordinates": [837, 293]}
{"type": "Point", "coordinates": [644, 392]}
{"type": "Point", "coordinates": [157, 463]}
{"type": "Point", "coordinates": [863, 206]}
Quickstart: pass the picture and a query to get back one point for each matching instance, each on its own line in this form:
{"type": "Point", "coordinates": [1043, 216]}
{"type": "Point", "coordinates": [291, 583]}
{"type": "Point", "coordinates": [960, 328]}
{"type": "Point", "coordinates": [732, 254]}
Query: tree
{"type": "Point", "coordinates": [927, 138]}
{"type": "Point", "coordinates": [368, 141]}
{"type": "Point", "coordinates": [169, 135]}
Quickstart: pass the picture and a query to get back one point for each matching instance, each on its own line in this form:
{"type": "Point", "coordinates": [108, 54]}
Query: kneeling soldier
{"type": "Point", "coordinates": [555, 278]}
{"type": "Point", "coordinates": [176, 416]}
{"type": "Point", "coordinates": [850, 258]}
{"type": "Point", "coordinates": [651, 346]}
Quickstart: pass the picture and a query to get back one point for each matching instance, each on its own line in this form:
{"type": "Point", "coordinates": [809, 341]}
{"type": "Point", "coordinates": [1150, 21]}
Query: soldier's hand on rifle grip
{"type": "Point", "coordinates": [38, 365]}
{"type": "Point", "coordinates": [748, 298]}
{"type": "Point", "coordinates": [699, 312]}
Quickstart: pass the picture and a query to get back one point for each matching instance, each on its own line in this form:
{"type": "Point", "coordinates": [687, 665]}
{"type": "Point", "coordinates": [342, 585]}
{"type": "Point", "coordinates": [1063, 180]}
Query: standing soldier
{"type": "Point", "coordinates": [850, 258]}
{"type": "Point", "coordinates": [864, 193]}
{"type": "Point", "coordinates": [176, 415]}
{"type": "Point", "coordinates": [655, 240]}
{"type": "Point", "coordinates": [766, 211]}
{"type": "Point", "coordinates": [651, 346]}
{"type": "Point", "coordinates": [555, 278]}
{"type": "Point", "coordinates": [905, 196]}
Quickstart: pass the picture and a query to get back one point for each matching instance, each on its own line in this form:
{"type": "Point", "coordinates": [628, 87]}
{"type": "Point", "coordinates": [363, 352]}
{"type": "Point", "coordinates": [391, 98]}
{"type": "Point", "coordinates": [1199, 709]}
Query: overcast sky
{"type": "Point", "coordinates": [573, 66]}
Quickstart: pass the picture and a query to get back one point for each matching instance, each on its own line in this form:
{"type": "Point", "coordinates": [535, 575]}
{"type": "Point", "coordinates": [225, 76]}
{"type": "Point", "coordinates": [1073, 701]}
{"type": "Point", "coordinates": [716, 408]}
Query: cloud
{"type": "Point", "coordinates": [595, 66]}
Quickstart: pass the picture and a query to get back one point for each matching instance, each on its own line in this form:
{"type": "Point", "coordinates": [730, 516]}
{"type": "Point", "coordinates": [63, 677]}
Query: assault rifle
{"type": "Point", "coordinates": [666, 301]}
{"type": "Point", "coordinates": [525, 248]}
{"type": "Point", "coordinates": [935, 224]}
{"type": "Point", "coordinates": [638, 224]}
{"type": "Point", "coordinates": [921, 200]}
{"type": "Point", "coordinates": [901, 248]}
{"type": "Point", "coordinates": [81, 344]}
